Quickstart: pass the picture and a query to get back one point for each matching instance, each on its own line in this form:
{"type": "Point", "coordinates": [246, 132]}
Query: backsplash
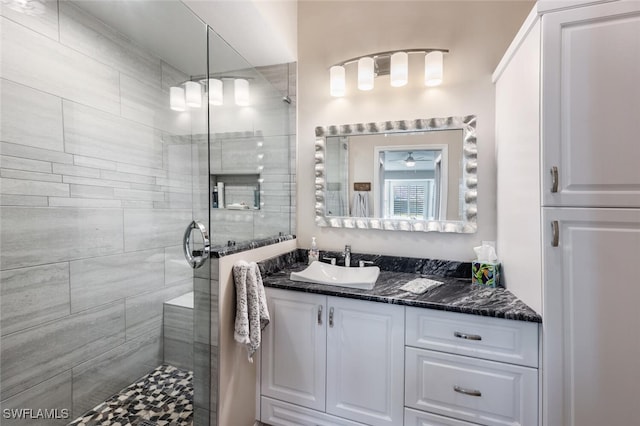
{"type": "Point", "coordinates": [435, 267]}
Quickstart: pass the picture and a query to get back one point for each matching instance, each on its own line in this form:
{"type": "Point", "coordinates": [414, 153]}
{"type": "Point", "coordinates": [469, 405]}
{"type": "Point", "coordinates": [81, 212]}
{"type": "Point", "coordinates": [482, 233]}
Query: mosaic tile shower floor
{"type": "Point", "coordinates": [163, 397]}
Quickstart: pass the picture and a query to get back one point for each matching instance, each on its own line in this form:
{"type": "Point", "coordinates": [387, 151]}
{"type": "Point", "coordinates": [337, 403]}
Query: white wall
{"type": "Point", "coordinates": [476, 32]}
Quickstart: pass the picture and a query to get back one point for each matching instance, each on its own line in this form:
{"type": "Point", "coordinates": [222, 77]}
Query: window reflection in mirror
{"type": "Point", "coordinates": [411, 183]}
{"type": "Point", "coordinates": [414, 175]}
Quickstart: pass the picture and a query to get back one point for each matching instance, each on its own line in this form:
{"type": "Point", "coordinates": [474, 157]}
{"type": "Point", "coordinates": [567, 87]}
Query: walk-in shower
{"type": "Point", "coordinates": [100, 177]}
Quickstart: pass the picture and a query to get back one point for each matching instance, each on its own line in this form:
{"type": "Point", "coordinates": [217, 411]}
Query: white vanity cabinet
{"type": "Point", "coordinates": [329, 360]}
{"type": "Point", "coordinates": [470, 368]}
{"type": "Point", "coordinates": [567, 106]}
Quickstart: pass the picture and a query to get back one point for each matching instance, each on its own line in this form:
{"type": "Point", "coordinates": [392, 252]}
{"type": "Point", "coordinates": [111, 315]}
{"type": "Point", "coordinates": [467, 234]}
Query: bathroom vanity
{"type": "Point", "coordinates": [455, 355]}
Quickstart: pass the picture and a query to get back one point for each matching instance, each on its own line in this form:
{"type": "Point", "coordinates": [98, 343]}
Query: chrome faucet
{"type": "Point", "coordinates": [347, 255]}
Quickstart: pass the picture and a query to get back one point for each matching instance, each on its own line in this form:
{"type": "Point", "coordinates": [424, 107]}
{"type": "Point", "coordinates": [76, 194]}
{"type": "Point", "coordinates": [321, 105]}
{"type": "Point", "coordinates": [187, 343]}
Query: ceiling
{"type": "Point", "coordinates": [250, 32]}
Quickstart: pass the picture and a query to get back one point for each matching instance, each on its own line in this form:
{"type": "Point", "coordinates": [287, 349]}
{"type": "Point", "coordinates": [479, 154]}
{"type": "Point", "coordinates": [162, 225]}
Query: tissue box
{"type": "Point", "coordinates": [485, 273]}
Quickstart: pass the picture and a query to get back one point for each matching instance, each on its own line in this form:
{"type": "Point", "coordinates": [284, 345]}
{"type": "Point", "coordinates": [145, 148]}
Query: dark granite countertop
{"type": "Point", "coordinates": [225, 250]}
{"type": "Point", "coordinates": [455, 295]}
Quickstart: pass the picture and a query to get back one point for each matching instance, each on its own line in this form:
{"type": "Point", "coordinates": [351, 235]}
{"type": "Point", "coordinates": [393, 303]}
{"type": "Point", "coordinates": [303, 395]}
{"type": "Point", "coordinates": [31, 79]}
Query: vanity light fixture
{"type": "Point", "coordinates": [176, 99]}
{"type": "Point", "coordinates": [241, 91]}
{"type": "Point", "coordinates": [393, 63]}
{"type": "Point", "coordinates": [189, 93]}
{"type": "Point", "coordinates": [193, 94]}
{"type": "Point", "coordinates": [216, 96]}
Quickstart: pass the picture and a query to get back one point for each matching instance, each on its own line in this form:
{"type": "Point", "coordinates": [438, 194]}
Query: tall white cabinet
{"type": "Point", "coordinates": [568, 149]}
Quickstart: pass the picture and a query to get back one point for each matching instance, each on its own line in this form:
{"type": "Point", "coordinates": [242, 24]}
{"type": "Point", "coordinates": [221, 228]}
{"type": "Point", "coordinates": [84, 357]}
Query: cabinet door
{"type": "Point", "coordinates": [294, 348]}
{"type": "Point", "coordinates": [591, 105]}
{"type": "Point", "coordinates": [591, 342]}
{"type": "Point", "coordinates": [365, 361]}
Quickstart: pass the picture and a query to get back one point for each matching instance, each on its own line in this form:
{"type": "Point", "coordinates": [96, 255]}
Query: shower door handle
{"type": "Point", "coordinates": [196, 261]}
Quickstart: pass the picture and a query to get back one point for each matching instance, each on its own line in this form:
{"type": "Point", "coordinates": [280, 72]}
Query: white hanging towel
{"type": "Point", "coordinates": [360, 205]}
{"type": "Point", "coordinates": [252, 315]}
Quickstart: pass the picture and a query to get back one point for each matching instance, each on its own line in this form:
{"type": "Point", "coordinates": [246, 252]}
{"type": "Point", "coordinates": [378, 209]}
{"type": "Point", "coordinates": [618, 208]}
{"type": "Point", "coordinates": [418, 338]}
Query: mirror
{"type": "Point", "coordinates": [417, 175]}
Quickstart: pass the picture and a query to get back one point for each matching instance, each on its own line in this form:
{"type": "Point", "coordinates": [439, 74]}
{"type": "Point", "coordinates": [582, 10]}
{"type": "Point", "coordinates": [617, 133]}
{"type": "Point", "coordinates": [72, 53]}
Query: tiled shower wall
{"type": "Point", "coordinates": [95, 193]}
{"type": "Point", "coordinates": [264, 144]}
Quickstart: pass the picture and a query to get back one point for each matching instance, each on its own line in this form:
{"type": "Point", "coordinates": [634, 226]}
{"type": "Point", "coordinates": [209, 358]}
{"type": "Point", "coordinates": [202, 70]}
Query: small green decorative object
{"type": "Point", "coordinates": [485, 274]}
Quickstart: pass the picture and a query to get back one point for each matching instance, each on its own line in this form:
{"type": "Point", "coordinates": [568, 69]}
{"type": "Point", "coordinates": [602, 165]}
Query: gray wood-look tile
{"type": "Point", "coordinates": [90, 191]}
{"type": "Point", "coordinates": [32, 296]}
{"type": "Point", "coordinates": [95, 182]}
{"type": "Point", "coordinates": [127, 177]}
{"type": "Point", "coordinates": [33, 187]}
{"type": "Point", "coordinates": [178, 323]}
{"type": "Point", "coordinates": [240, 155]}
{"type": "Point", "coordinates": [101, 280]}
{"type": "Point", "coordinates": [145, 171]}
{"type": "Point", "coordinates": [90, 36]}
{"type": "Point", "coordinates": [144, 312]}
{"type": "Point", "coordinates": [137, 204]}
{"type": "Point", "coordinates": [84, 202]}
{"type": "Point", "coordinates": [69, 170]}
{"type": "Point", "coordinates": [203, 302]}
{"type": "Point", "coordinates": [154, 228]}
{"type": "Point", "coordinates": [23, 200]}
{"type": "Point", "coordinates": [95, 163]}
{"type": "Point", "coordinates": [149, 104]}
{"type": "Point", "coordinates": [69, 73]}
{"type": "Point", "coordinates": [24, 164]}
{"type": "Point", "coordinates": [93, 133]}
{"type": "Point", "coordinates": [176, 268]}
{"type": "Point", "coordinates": [178, 352]}
{"type": "Point", "coordinates": [136, 194]}
{"type": "Point", "coordinates": [62, 234]}
{"type": "Point", "coordinates": [203, 367]}
{"type": "Point", "coordinates": [30, 117]}
{"type": "Point", "coordinates": [19, 174]}
{"type": "Point", "coordinates": [52, 394]}
{"type": "Point", "coordinates": [37, 354]}
{"type": "Point", "coordinates": [23, 151]}
{"type": "Point", "coordinates": [99, 378]}
{"type": "Point", "coordinates": [45, 22]}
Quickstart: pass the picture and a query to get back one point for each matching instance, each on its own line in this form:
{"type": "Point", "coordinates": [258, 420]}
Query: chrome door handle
{"type": "Point", "coordinates": [330, 317]}
{"type": "Point", "coordinates": [470, 392]}
{"type": "Point", "coordinates": [555, 230]}
{"type": "Point", "coordinates": [554, 179]}
{"type": "Point", "coordinates": [319, 314]}
{"type": "Point", "coordinates": [196, 261]}
{"type": "Point", "coordinates": [467, 336]}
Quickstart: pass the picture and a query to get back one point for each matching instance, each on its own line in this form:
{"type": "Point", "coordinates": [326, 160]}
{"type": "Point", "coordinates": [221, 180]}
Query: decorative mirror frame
{"type": "Point", "coordinates": [469, 175]}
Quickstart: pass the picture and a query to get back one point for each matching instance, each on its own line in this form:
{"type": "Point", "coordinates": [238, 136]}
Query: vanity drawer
{"type": "Point", "coordinates": [278, 413]}
{"type": "Point", "coordinates": [475, 390]}
{"type": "Point", "coordinates": [420, 418]}
{"type": "Point", "coordinates": [496, 339]}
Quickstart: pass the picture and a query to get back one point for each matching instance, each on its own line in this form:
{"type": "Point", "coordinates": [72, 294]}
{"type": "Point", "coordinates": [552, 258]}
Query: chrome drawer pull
{"type": "Point", "coordinates": [464, 391]}
{"type": "Point", "coordinates": [467, 336]}
{"type": "Point", "coordinates": [554, 179]}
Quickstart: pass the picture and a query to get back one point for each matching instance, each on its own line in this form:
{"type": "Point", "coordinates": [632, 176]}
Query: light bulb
{"type": "Point", "coordinates": [193, 94]}
{"type": "Point", "coordinates": [176, 99]}
{"type": "Point", "coordinates": [365, 73]}
{"type": "Point", "coordinates": [399, 69]}
{"type": "Point", "coordinates": [241, 91]}
{"type": "Point", "coordinates": [433, 68]}
{"type": "Point", "coordinates": [215, 91]}
{"type": "Point", "coordinates": [337, 81]}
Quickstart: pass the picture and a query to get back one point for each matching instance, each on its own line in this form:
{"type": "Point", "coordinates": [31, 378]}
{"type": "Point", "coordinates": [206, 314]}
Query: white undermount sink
{"type": "Point", "coordinates": [324, 273]}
